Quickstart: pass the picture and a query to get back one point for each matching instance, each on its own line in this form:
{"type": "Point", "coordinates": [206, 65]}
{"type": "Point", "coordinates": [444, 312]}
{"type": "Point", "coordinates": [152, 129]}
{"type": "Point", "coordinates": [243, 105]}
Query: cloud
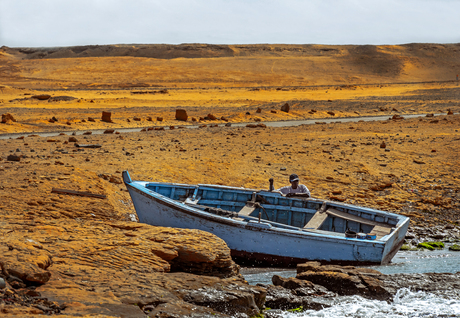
{"type": "Point", "coordinates": [69, 22]}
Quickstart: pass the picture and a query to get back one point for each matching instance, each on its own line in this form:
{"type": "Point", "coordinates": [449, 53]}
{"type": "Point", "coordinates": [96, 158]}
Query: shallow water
{"type": "Point", "coordinates": [405, 304]}
{"type": "Point", "coordinates": [423, 261]}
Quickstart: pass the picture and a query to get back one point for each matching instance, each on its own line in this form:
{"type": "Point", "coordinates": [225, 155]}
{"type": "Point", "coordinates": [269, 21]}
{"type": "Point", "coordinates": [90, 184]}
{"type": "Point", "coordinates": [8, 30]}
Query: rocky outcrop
{"type": "Point", "coordinates": [115, 267]}
{"type": "Point", "coordinates": [316, 285]}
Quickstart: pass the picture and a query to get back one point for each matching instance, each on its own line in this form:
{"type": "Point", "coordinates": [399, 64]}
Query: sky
{"type": "Point", "coordinates": [52, 23]}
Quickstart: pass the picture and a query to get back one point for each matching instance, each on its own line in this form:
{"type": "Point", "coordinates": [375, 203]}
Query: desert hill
{"type": "Point", "coordinates": [201, 65]}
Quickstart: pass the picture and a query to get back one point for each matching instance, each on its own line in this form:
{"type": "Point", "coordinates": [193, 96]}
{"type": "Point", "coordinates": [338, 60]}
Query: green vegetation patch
{"type": "Point", "coordinates": [431, 245]}
{"type": "Point", "coordinates": [455, 247]}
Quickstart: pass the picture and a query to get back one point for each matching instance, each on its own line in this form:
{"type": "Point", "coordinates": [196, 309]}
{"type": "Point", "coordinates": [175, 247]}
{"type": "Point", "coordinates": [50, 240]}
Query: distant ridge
{"type": "Point", "coordinates": [192, 50]}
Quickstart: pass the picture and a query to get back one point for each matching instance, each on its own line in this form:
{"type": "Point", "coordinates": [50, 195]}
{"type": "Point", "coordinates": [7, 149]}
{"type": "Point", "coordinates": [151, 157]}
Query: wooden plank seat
{"type": "Point", "coordinates": [248, 208]}
{"type": "Point", "coordinates": [316, 221]}
{"type": "Point", "coordinates": [380, 229]}
{"type": "Point", "coordinates": [318, 218]}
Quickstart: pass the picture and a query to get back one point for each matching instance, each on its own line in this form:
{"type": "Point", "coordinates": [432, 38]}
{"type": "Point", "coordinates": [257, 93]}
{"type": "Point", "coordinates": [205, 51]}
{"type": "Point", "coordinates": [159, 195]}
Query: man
{"type": "Point", "coordinates": [295, 189]}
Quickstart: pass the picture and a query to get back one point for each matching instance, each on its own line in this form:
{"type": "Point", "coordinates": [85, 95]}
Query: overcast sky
{"type": "Point", "coordinates": [46, 23]}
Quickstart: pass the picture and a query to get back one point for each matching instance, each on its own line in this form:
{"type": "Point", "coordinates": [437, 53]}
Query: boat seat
{"type": "Point", "coordinates": [380, 229]}
{"type": "Point", "coordinates": [318, 218]}
{"type": "Point", "coordinates": [248, 208]}
{"type": "Point", "coordinates": [190, 201]}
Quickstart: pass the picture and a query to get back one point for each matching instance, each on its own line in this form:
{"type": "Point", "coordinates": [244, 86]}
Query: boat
{"type": "Point", "coordinates": [265, 228]}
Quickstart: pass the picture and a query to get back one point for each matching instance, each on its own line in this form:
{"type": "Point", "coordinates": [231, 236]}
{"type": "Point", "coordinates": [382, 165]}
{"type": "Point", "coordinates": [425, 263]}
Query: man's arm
{"type": "Point", "coordinates": [305, 195]}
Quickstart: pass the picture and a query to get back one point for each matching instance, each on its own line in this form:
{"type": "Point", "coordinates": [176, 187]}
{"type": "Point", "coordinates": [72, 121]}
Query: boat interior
{"type": "Point", "coordinates": [264, 207]}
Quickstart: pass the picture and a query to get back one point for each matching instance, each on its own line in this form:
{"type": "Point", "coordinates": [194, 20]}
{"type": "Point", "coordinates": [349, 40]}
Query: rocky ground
{"type": "Point", "coordinates": [85, 255]}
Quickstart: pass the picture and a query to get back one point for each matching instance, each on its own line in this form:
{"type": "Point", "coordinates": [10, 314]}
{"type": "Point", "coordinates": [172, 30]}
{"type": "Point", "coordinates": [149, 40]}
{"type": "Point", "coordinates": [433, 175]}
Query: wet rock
{"type": "Point", "coordinates": [107, 117]}
{"type": "Point", "coordinates": [181, 114]}
{"type": "Point", "coordinates": [242, 299]}
{"type": "Point", "coordinates": [285, 108]}
{"type": "Point", "coordinates": [7, 118]}
{"type": "Point", "coordinates": [284, 299]}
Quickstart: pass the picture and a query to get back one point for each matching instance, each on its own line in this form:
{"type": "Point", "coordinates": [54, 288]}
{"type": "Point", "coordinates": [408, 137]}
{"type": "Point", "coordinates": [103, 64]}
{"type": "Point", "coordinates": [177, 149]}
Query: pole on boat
{"type": "Point", "coordinates": [260, 214]}
{"type": "Point", "coordinates": [271, 185]}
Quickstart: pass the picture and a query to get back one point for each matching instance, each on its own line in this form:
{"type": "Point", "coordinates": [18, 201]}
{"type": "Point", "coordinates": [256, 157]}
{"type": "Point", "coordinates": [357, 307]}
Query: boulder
{"type": "Point", "coordinates": [13, 158]}
{"type": "Point", "coordinates": [41, 97]}
{"type": "Point", "coordinates": [181, 114]}
{"type": "Point", "coordinates": [285, 108]}
{"type": "Point", "coordinates": [107, 117]}
{"type": "Point", "coordinates": [7, 117]}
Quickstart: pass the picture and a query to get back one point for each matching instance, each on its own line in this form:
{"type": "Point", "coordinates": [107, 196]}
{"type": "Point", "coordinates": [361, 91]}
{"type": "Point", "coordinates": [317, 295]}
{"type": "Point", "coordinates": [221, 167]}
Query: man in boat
{"type": "Point", "coordinates": [295, 189]}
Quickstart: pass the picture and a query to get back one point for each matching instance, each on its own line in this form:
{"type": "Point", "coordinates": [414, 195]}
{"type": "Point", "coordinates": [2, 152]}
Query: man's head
{"type": "Point", "coordinates": [294, 180]}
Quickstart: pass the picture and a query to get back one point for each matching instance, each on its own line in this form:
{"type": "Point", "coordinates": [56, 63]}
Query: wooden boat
{"type": "Point", "coordinates": [265, 228]}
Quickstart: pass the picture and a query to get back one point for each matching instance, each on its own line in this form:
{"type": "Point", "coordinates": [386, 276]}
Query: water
{"type": "Point", "coordinates": [406, 303]}
{"type": "Point", "coordinates": [423, 261]}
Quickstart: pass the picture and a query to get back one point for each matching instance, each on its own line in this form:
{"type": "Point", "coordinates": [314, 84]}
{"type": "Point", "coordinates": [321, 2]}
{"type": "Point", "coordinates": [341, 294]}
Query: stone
{"type": "Point", "coordinates": [181, 114]}
{"type": "Point", "coordinates": [137, 119]}
{"type": "Point", "coordinates": [383, 145]}
{"type": "Point", "coordinates": [7, 117]}
{"type": "Point", "coordinates": [273, 111]}
{"type": "Point", "coordinates": [223, 118]}
{"type": "Point", "coordinates": [259, 110]}
{"type": "Point", "coordinates": [159, 118]}
{"type": "Point", "coordinates": [73, 139]}
{"type": "Point", "coordinates": [107, 117]}
{"type": "Point", "coordinates": [109, 131]}
{"type": "Point", "coordinates": [91, 119]}
{"type": "Point", "coordinates": [13, 158]}
{"type": "Point", "coordinates": [449, 112]}
{"type": "Point", "coordinates": [211, 117]}
{"type": "Point", "coordinates": [41, 97]}
{"type": "Point", "coordinates": [331, 113]}
{"type": "Point", "coordinates": [285, 108]}
{"type": "Point", "coordinates": [2, 283]}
